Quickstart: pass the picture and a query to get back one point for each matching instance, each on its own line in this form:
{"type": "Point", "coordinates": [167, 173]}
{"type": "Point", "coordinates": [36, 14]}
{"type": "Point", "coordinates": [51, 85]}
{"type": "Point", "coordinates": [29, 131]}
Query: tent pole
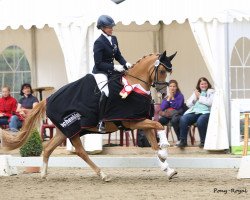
{"type": "Point", "coordinates": [33, 57]}
{"type": "Point", "coordinates": [160, 41]}
{"type": "Point", "coordinates": [228, 84]}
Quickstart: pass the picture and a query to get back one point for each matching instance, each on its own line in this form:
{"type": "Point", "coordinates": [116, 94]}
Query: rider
{"type": "Point", "coordinates": [106, 49]}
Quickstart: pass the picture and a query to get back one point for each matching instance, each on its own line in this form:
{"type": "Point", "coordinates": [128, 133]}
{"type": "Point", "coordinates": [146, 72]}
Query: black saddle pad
{"type": "Point", "coordinates": [75, 106]}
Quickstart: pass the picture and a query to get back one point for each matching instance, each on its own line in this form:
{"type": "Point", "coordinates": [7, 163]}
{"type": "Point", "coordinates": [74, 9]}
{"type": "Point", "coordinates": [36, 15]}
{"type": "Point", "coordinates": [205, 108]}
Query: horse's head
{"type": "Point", "coordinates": [152, 70]}
{"type": "Point", "coordinates": [162, 67]}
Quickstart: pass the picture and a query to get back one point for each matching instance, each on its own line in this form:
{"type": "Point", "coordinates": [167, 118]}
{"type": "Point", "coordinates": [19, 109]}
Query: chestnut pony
{"type": "Point", "coordinates": [149, 71]}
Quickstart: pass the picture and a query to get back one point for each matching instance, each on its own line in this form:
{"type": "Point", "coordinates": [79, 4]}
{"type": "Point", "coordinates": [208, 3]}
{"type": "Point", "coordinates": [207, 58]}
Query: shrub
{"type": "Point", "coordinates": [33, 146]}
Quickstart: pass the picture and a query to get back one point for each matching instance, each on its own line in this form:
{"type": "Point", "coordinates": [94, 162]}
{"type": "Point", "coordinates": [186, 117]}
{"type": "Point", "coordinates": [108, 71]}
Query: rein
{"type": "Point", "coordinates": [139, 79]}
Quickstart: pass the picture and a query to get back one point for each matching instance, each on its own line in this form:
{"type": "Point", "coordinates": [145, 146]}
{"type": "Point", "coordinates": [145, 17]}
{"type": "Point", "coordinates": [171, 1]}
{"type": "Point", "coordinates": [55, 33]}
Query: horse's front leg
{"type": "Point", "coordinates": [145, 124]}
{"type": "Point", "coordinates": [149, 127]}
{"type": "Point", "coordinates": [162, 153]}
{"type": "Point", "coordinates": [150, 135]}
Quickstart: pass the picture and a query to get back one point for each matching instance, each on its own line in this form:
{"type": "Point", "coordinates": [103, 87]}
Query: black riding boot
{"type": "Point", "coordinates": [102, 106]}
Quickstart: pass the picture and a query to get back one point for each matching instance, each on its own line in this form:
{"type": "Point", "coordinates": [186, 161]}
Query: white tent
{"type": "Point", "coordinates": [72, 20]}
{"type": "Point", "coordinates": [168, 11]}
{"type": "Point", "coordinates": [211, 22]}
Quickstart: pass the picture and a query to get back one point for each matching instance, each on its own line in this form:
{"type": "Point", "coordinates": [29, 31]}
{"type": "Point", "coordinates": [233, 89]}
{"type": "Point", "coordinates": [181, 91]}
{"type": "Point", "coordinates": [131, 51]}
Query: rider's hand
{"type": "Point", "coordinates": [128, 65]}
{"type": "Point", "coordinates": [119, 68]}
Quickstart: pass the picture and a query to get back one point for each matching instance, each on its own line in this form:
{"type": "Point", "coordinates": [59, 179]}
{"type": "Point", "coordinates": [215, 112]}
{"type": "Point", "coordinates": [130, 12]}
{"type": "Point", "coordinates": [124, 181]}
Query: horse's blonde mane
{"type": "Point", "coordinates": [151, 54]}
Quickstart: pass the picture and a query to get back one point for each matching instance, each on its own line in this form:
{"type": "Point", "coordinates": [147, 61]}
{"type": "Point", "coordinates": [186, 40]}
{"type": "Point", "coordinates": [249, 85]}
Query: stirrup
{"type": "Point", "coordinates": [101, 127]}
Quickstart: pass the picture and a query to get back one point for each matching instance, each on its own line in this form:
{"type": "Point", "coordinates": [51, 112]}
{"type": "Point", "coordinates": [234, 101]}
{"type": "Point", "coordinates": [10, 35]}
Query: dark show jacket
{"type": "Point", "coordinates": [105, 53]}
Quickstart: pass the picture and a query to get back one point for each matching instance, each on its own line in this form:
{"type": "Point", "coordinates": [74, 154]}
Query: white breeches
{"type": "Point", "coordinates": [102, 83]}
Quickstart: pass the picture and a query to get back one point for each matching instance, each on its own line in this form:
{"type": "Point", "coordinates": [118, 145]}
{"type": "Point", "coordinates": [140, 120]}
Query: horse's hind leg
{"type": "Point", "coordinates": [53, 143]}
{"type": "Point", "coordinates": [83, 154]}
{"type": "Point", "coordinates": [162, 153]}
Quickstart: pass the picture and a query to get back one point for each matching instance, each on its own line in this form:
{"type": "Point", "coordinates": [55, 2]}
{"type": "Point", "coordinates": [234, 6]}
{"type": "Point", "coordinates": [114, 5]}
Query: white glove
{"type": "Point", "coordinates": [119, 68]}
{"type": "Point", "coordinates": [128, 65]}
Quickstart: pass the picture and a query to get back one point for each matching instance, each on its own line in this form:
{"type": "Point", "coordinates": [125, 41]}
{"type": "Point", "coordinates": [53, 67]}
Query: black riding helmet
{"type": "Point", "coordinates": [105, 21]}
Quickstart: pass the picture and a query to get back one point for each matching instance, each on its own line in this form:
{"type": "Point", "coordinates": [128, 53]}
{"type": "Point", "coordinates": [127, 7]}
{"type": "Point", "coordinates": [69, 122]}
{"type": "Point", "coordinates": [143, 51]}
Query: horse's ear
{"type": "Point", "coordinates": [163, 56]}
{"type": "Point", "coordinates": [172, 56]}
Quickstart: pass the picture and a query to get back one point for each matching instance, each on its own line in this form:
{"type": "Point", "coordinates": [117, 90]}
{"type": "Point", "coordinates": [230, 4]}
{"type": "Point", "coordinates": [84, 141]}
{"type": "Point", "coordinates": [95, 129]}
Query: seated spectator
{"type": "Point", "coordinates": [8, 106]}
{"type": "Point", "coordinates": [25, 104]}
{"type": "Point", "coordinates": [172, 107]}
{"type": "Point", "coordinates": [199, 110]}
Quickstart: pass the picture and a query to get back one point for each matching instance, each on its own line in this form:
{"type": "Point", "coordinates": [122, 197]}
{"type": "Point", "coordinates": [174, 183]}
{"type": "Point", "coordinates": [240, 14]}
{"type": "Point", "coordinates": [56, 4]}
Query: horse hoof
{"type": "Point", "coordinates": [107, 178]}
{"type": "Point", "coordinates": [171, 173]}
{"type": "Point", "coordinates": [44, 175]}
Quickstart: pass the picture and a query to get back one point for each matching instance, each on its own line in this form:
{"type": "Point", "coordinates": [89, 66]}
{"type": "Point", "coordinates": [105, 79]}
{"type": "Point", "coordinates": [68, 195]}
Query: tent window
{"type": "Point", "coordinates": [14, 69]}
{"type": "Point", "coordinates": [240, 69]}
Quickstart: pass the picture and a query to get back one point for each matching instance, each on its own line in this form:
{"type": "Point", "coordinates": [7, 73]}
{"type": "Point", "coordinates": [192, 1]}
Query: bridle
{"type": "Point", "coordinates": [156, 81]}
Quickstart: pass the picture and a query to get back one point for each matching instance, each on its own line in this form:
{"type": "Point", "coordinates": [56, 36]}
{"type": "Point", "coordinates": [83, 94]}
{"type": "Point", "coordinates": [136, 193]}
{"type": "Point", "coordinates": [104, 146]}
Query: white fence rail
{"type": "Point", "coordinates": [128, 162]}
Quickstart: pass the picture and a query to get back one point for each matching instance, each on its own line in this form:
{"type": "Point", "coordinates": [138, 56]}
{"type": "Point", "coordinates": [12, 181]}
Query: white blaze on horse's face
{"type": "Point", "coordinates": [162, 74]}
{"type": "Point", "coordinates": [168, 77]}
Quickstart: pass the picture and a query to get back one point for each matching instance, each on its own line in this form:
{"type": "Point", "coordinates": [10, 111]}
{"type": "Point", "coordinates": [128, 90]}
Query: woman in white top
{"type": "Point", "coordinates": [199, 110]}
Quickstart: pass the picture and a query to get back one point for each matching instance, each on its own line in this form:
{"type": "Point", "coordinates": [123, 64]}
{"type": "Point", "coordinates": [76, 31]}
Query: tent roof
{"type": "Point", "coordinates": [26, 13]}
{"type": "Point", "coordinates": [167, 11]}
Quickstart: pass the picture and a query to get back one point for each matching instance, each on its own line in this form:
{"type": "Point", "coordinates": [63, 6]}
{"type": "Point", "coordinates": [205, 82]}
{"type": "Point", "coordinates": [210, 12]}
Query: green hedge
{"type": "Point", "coordinates": [33, 146]}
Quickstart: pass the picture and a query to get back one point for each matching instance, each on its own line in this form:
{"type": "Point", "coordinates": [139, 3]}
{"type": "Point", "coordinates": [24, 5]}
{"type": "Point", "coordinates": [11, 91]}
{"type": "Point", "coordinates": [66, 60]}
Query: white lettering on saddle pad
{"type": "Point", "coordinates": [70, 119]}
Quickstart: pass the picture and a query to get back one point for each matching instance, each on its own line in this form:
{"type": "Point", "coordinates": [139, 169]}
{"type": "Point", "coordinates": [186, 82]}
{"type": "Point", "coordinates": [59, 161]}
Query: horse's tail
{"type": "Point", "coordinates": [11, 142]}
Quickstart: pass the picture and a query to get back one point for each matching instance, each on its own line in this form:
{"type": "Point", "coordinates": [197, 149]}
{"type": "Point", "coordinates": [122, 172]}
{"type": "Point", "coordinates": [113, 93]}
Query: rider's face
{"type": "Point", "coordinates": [108, 30]}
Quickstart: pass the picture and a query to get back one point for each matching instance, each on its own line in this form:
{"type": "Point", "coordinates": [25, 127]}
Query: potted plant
{"type": "Point", "coordinates": [32, 147]}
